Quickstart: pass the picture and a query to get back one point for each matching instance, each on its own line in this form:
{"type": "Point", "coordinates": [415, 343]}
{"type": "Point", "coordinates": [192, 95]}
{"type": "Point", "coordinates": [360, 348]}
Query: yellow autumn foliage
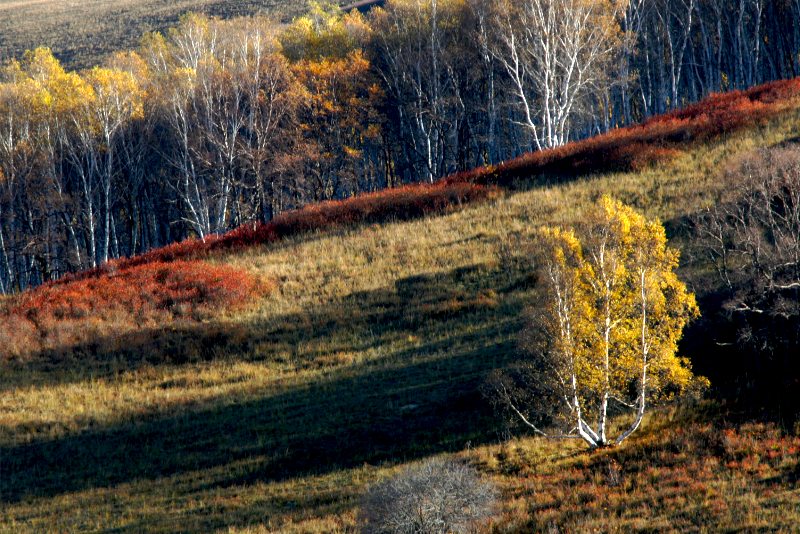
{"type": "Point", "coordinates": [614, 312]}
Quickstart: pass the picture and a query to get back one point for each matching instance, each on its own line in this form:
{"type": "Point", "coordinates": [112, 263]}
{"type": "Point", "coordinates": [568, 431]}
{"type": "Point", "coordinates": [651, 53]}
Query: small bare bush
{"type": "Point", "coordinates": [437, 497]}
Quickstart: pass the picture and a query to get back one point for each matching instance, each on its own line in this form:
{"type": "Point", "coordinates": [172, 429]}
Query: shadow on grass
{"type": "Point", "coordinates": [425, 306]}
{"type": "Point", "coordinates": [407, 404]}
{"type": "Point", "coordinates": [756, 382]}
{"type": "Point", "coordinates": [375, 416]}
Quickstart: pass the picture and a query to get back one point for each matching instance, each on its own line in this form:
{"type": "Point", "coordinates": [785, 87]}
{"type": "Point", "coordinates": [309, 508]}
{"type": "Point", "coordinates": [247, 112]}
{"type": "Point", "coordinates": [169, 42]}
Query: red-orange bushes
{"type": "Point", "coordinates": [767, 96]}
{"type": "Point", "coordinates": [400, 203]}
{"type": "Point", "coordinates": [175, 287]}
{"type": "Point", "coordinates": [17, 336]}
{"type": "Point", "coordinates": [112, 301]}
{"type": "Point", "coordinates": [657, 139]}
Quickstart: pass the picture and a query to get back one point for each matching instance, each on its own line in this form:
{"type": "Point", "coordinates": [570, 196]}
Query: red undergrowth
{"type": "Point", "coordinates": [66, 313]}
{"type": "Point", "coordinates": [401, 203]}
{"type": "Point", "coordinates": [173, 288]}
{"type": "Point", "coordinates": [658, 139]}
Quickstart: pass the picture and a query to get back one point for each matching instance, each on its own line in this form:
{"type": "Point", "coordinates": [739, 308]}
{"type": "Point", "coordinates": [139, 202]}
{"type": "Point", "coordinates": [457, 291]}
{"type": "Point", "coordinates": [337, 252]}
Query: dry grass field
{"type": "Point", "coordinates": [81, 33]}
{"type": "Point", "coordinates": [356, 342]}
{"type": "Point", "coordinates": [369, 354]}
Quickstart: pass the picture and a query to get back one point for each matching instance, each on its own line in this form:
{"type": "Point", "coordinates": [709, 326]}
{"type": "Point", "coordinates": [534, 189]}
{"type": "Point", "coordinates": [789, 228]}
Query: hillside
{"type": "Point", "coordinates": [365, 350]}
{"type": "Point", "coordinates": [81, 34]}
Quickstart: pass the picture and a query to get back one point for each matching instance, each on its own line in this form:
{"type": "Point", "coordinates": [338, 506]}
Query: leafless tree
{"type": "Point", "coordinates": [556, 53]}
{"type": "Point", "coordinates": [752, 237]}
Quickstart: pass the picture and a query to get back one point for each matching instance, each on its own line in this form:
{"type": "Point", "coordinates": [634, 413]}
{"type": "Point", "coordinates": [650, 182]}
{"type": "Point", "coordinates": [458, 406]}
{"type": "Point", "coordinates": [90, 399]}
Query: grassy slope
{"type": "Point", "coordinates": [82, 33]}
{"type": "Point", "coordinates": [369, 353]}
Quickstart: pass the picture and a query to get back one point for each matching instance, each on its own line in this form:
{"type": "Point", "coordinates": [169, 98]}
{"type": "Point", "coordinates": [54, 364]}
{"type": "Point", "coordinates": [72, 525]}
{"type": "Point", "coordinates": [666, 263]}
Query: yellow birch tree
{"type": "Point", "coordinates": [604, 338]}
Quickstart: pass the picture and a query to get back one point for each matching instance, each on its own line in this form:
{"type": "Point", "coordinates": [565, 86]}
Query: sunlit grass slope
{"type": "Point", "coordinates": [368, 353]}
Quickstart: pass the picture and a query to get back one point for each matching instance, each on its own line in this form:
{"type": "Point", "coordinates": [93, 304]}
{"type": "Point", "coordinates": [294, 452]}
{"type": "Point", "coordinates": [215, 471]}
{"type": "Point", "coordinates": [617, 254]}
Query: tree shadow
{"type": "Point", "coordinates": [754, 383]}
{"type": "Point", "coordinates": [372, 416]}
{"type": "Point", "coordinates": [405, 404]}
{"type": "Point", "coordinates": [425, 306]}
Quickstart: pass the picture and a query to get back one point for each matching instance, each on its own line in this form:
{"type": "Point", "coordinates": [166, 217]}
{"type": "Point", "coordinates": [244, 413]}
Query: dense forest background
{"type": "Point", "coordinates": [219, 123]}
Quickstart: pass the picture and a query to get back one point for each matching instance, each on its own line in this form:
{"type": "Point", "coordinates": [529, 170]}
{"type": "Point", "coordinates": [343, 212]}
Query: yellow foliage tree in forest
{"type": "Point", "coordinates": [324, 32]}
{"type": "Point", "coordinates": [340, 114]}
{"type": "Point", "coordinates": [605, 337]}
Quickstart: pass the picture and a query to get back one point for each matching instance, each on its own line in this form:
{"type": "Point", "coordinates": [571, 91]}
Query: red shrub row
{"type": "Point", "coordinates": [177, 287]}
{"type": "Point", "coordinates": [62, 314]}
{"type": "Point", "coordinates": [401, 203]}
{"type": "Point", "coordinates": [657, 139]}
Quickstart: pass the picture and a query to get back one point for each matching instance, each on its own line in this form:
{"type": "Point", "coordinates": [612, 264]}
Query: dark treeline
{"type": "Point", "coordinates": [219, 123]}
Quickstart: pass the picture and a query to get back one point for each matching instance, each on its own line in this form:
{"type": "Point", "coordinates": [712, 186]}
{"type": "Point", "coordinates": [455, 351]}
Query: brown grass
{"type": "Point", "coordinates": [81, 34]}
